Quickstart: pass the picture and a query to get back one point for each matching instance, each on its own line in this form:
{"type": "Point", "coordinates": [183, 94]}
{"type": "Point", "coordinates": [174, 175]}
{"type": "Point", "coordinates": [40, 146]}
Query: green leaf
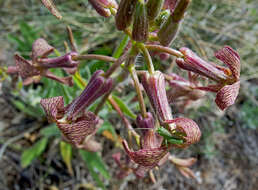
{"type": "Point", "coordinates": [32, 111]}
{"type": "Point", "coordinates": [51, 130]}
{"type": "Point", "coordinates": [66, 152]}
{"type": "Point", "coordinates": [32, 153]}
{"type": "Point", "coordinates": [119, 50]}
{"type": "Point", "coordinates": [124, 108]}
{"type": "Point", "coordinates": [96, 166]}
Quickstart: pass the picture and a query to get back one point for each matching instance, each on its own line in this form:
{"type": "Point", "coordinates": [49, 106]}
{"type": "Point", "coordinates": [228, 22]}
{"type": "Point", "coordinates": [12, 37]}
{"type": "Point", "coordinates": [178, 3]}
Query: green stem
{"type": "Point", "coordinates": [94, 57]}
{"type": "Point", "coordinates": [147, 56]}
{"type": "Point", "coordinates": [165, 50]}
{"type": "Point", "coordinates": [134, 76]}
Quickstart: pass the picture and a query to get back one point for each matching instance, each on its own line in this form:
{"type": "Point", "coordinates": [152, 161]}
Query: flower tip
{"type": "Point", "coordinates": [227, 95]}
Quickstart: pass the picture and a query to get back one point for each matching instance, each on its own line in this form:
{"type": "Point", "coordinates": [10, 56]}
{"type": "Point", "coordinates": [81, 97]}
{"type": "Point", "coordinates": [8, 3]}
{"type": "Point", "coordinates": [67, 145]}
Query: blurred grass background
{"type": "Point", "coordinates": [208, 26]}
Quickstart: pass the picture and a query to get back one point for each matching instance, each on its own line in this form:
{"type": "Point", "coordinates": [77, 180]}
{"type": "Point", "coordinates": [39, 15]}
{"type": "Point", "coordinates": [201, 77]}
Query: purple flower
{"type": "Point", "coordinates": [151, 151]}
{"type": "Point", "coordinates": [32, 70]}
{"type": "Point", "coordinates": [155, 88]}
{"type": "Point", "coordinates": [227, 78]}
{"type": "Point", "coordinates": [74, 123]}
{"type": "Point", "coordinates": [188, 129]}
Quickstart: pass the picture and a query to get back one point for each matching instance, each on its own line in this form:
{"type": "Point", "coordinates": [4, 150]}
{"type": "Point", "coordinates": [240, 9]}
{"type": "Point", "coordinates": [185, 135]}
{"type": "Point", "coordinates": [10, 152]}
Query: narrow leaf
{"type": "Point", "coordinates": [124, 108]}
{"type": "Point", "coordinates": [32, 153]}
{"type": "Point", "coordinates": [66, 152]}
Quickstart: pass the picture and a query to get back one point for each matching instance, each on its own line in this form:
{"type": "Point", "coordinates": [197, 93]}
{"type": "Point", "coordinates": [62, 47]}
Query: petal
{"type": "Point", "coordinates": [52, 8]}
{"type": "Point", "coordinates": [182, 162]}
{"type": "Point", "coordinates": [227, 95]}
{"type": "Point", "coordinates": [41, 48]}
{"type": "Point", "coordinates": [155, 88]}
{"type": "Point", "coordinates": [146, 157]}
{"type": "Point", "coordinates": [189, 128]}
{"type": "Point", "coordinates": [53, 107]}
{"type": "Point", "coordinates": [76, 131]}
{"type": "Point", "coordinates": [25, 67]}
{"type": "Point", "coordinates": [231, 58]}
{"type": "Point", "coordinates": [194, 63]}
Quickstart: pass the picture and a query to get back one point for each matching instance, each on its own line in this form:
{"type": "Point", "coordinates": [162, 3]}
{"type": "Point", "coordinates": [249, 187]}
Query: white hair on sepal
{"type": "Point", "coordinates": [139, 60]}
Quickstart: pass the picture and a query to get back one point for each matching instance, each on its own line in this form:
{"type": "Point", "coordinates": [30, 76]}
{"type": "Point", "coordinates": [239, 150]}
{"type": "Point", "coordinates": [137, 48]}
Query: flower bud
{"type": "Point", "coordinates": [140, 25]}
{"type": "Point", "coordinates": [153, 8]}
{"type": "Point", "coordinates": [52, 8]}
{"type": "Point", "coordinates": [64, 61]}
{"type": "Point", "coordinates": [100, 8]}
{"type": "Point", "coordinates": [194, 63]}
{"type": "Point", "coordinates": [180, 9]}
{"type": "Point", "coordinates": [97, 86]}
{"type": "Point", "coordinates": [168, 31]}
{"type": "Point", "coordinates": [155, 88]}
{"type": "Point", "coordinates": [145, 123]}
{"type": "Point", "coordinates": [125, 13]}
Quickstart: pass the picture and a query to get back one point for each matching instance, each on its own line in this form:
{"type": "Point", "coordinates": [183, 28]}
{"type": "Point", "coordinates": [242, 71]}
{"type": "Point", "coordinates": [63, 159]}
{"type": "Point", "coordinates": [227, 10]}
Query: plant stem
{"type": "Point", "coordinates": [71, 38]}
{"type": "Point", "coordinates": [138, 90]}
{"type": "Point", "coordinates": [147, 56]}
{"type": "Point", "coordinates": [94, 57]}
{"type": "Point", "coordinates": [165, 50]}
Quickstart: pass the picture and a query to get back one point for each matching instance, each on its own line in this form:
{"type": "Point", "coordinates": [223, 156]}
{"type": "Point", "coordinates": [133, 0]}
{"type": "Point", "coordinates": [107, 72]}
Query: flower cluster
{"type": "Point", "coordinates": [151, 27]}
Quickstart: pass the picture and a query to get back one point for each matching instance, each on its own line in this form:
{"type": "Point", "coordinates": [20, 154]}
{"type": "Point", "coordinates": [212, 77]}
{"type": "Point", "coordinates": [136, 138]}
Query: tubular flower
{"type": "Point", "coordinates": [227, 78]}
{"type": "Point", "coordinates": [103, 6]}
{"type": "Point", "coordinates": [74, 123]}
{"type": "Point", "coordinates": [184, 90]}
{"type": "Point", "coordinates": [32, 70]}
{"type": "Point", "coordinates": [151, 152]}
{"type": "Point", "coordinates": [155, 88]}
{"type": "Point", "coordinates": [187, 130]}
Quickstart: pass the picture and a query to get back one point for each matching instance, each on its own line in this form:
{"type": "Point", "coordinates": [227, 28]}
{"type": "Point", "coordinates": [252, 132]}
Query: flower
{"type": "Point", "coordinates": [155, 88]}
{"type": "Point", "coordinates": [227, 78]}
{"type": "Point", "coordinates": [32, 70]}
{"type": "Point", "coordinates": [74, 123]}
{"type": "Point", "coordinates": [183, 90]}
{"type": "Point", "coordinates": [151, 152]}
{"type": "Point", "coordinates": [187, 130]}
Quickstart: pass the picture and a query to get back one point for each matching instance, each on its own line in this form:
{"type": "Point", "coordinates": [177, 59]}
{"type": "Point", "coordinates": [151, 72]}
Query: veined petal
{"type": "Point", "coordinates": [53, 107]}
{"type": "Point", "coordinates": [76, 131]}
{"type": "Point", "coordinates": [146, 157]}
{"type": "Point", "coordinates": [231, 58]}
{"type": "Point", "coordinates": [52, 8]}
{"type": "Point", "coordinates": [41, 48]}
{"type": "Point", "coordinates": [227, 95]}
{"type": "Point", "coordinates": [155, 87]}
{"type": "Point", "coordinates": [182, 162]}
{"type": "Point", "coordinates": [194, 63]}
{"type": "Point", "coordinates": [189, 128]}
{"type": "Point", "coordinates": [25, 68]}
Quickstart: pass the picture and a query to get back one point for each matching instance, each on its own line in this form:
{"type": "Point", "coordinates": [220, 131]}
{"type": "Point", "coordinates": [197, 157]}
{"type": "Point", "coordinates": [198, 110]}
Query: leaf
{"type": "Point", "coordinates": [124, 108]}
{"type": "Point", "coordinates": [66, 152]}
{"type": "Point", "coordinates": [32, 111]}
{"type": "Point", "coordinates": [32, 153]}
{"type": "Point", "coordinates": [119, 50]}
{"type": "Point", "coordinates": [51, 130]}
{"type": "Point", "coordinates": [95, 165]}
